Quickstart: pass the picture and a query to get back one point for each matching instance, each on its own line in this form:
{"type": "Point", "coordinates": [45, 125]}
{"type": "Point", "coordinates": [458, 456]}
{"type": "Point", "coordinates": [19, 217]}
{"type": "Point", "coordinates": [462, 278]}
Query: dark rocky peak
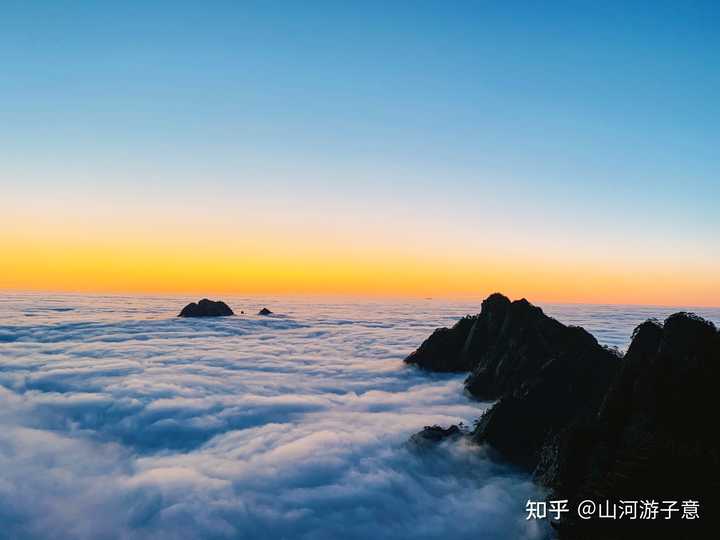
{"type": "Point", "coordinates": [265, 312]}
{"type": "Point", "coordinates": [590, 423]}
{"type": "Point", "coordinates": [507, 354]}
{"type": "Point", "coordinates": [651, 437]}
{"type": "Point", "coordinates": [687, 334]}
{"type": "Point", "coordinates": [504, 345]}
{"type": "Point", "coordinates": [545, 374]}
{"type": "Point", "coordinates": [647, 334]}
{"type": "Point", "coordinates": [645, 341]}
{"type": "Point", "coordinates": [206, 308]}
{"type": "Point", "coordinates": [666, 367]}
{"type": "Point", "coordinates": [496, 303]}
{"type": "Point", "coordinates": [460, 348]}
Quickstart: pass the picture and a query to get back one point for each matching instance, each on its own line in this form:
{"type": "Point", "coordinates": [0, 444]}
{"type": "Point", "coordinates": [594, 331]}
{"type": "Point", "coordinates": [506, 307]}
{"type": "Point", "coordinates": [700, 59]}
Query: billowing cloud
{"type": "Point", "coordinates": [118, 420]}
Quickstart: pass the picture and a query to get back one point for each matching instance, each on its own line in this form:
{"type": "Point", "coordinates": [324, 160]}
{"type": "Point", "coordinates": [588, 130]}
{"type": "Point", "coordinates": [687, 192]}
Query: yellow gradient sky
{"type": "Point", "coordinates": [132, 240]}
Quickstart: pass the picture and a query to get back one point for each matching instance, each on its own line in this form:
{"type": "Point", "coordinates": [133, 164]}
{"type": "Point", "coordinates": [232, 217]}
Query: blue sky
{"type": "Point", "coordinates": [578, 119]}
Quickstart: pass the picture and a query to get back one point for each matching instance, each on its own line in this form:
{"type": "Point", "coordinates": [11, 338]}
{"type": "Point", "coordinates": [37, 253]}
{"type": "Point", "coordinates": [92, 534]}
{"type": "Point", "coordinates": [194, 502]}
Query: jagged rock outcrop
{"type": "Point", "coordinates": [590, 424]}
{"type": "Point", "coordinates": [548, 377]}
{"type": "Point", "coordinates": [206, 308]}
{"type": "Point", "coordinates": [654, 436]}
{"type": "Point", "coordinates": [265, 312]}
{"type": "Point", "coordinates": [459, 348]}
{"type": "Point", "coordinates": [545, 374]}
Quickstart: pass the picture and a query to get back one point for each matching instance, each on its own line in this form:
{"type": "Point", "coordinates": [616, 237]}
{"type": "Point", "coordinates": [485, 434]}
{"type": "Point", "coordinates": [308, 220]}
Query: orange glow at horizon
{"type": "Point", "coordinates": [116, 266]}
{"type": "Point", "coordinates": [124, 244]}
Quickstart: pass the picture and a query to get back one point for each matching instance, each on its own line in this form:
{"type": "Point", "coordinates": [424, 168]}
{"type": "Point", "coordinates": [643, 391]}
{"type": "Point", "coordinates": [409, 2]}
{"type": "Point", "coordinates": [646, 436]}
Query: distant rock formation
{"type": "Point", "coordinates": [589, 423]}
{"type": "Point", "coordinates": [265, 311]}
{"type": "Point", "coordinates": [206, 308]}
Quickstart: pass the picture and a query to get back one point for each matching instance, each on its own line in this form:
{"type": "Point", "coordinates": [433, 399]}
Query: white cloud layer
{"type": "Point", "coordinates": [118, 420]}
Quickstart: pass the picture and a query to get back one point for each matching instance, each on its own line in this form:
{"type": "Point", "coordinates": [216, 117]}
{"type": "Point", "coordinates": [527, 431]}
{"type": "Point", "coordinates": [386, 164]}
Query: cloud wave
{"type": "Point", "coordinates": [118, 420]}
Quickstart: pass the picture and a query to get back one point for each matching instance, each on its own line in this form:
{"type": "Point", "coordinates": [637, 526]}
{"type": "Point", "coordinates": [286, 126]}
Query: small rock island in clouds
{"type": "Point", "coordinates": [206, 308]}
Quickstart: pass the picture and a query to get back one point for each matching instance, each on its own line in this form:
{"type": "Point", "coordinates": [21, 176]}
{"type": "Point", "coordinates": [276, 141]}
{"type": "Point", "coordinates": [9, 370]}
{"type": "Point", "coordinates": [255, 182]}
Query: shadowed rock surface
{"type": "Point", "coordinates": [590, 424]}
{"type": "Point", "coordinates": [265, 311]}
{"type": "Point", "coordinates": [545, 374]}
{"type": "Point", "coordinates": [459, 348]}
{"type": "Point", "coordinates": [435, 434]}
{"type": "Point", "coordinates": [546, 377]}
{"type": "Point", "coordinates": [654, 437]}
{"type": "Point", "coordinates": [206, 308]}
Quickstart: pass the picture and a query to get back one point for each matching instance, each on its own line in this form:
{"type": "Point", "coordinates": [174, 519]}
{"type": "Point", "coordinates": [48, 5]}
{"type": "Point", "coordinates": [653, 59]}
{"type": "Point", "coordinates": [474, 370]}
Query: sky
{"type": "Point", "coordinates": [563, 152]}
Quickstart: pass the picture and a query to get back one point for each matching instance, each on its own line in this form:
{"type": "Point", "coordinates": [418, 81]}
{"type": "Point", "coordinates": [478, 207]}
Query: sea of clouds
{"type": "Point", "coordinates": [119, 420]}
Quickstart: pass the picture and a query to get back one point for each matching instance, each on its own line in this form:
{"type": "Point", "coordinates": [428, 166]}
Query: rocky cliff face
{"type": "Point", "coordinates": [654, 436]}
{"type": "Point", "coordinates": [565, 386]}
{"type": "Point", "coordinates": [459, 348]}
{"type": "Point", "coordinates": [589, 423]}
{"type": "Point", "coordinates": [545, 374]}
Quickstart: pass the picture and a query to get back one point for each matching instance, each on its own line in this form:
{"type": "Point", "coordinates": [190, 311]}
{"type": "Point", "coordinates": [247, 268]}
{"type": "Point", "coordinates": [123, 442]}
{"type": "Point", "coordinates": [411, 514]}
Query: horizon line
{"type": "Point", "coordinates": [367, 296]}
